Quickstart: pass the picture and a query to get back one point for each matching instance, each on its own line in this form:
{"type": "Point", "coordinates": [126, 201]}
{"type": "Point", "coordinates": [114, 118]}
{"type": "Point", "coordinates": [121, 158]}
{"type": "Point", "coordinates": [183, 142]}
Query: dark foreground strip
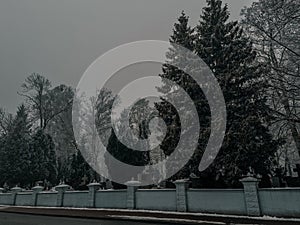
{"type": "Point", "coordinates": [147, 216]}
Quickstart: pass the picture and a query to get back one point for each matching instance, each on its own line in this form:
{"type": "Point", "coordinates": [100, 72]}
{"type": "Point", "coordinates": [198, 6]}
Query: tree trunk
{"type": "Point", "coordinates": [291, 124]}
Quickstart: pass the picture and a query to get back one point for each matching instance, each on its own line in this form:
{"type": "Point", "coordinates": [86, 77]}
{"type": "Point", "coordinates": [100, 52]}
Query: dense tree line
{"type": "Point", "coordinates": [37, 144]}
{"type": "Point", "coordinates": [26, 155]}
{"type": "Point", "coordinates": [256, 63]}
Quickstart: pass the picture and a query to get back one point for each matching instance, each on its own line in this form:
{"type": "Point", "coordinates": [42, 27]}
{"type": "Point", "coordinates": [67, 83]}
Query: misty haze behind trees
{"type": "Point", "coordinates": [257, 63]}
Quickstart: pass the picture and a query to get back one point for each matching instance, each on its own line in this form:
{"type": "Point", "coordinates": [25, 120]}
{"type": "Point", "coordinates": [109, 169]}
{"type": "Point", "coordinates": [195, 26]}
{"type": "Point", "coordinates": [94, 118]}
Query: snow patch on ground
{"type": "Point", "coordinates": [139, 218]}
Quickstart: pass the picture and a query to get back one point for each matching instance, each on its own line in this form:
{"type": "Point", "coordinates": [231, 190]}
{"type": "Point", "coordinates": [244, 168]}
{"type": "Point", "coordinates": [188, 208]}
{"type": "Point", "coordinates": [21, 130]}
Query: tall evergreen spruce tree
{"type": "Point", "coordinates": [43, 158]}
{"type": "Point", "coordinates": [15, 151]}
{"type": "Point", "coordinates": [80, 172]}
{"type": "Point", "coordinates": [183, 35]}
{"type": "Point", "coordinates": [222, 46]}
{"type": "Point", "coordinates": [26, 158]}
{"type": "Point", "coordinates": [248, 142]}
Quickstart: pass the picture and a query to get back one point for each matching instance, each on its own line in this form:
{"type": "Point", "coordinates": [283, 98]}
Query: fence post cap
{"type": "Point", "coordinates": [182, 181]}
{"type": "Point", "coordinates": [16, 189]}
{"type": "Point", "coordinates": [38, 188]}
{"type": "Point", "coordinates": [62, 187]}
{"type": "Point", "coordinates": [133, 183]}
{"type": "Point", "coordinates": [94, 184]}
{"type": "Point", "coordinates": [249, 180]}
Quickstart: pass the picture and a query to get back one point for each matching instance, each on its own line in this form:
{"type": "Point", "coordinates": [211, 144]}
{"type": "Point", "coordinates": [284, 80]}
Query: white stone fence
{"type": "Point", "coordinates": [251, 200]}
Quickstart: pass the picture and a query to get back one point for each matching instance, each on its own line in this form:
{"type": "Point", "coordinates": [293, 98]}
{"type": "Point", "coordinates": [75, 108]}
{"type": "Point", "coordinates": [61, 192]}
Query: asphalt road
{"type": "Point", "coordinates": [22, 219]}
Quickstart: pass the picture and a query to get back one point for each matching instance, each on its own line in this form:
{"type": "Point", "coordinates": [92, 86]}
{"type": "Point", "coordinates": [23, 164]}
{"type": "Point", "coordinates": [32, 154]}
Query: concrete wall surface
{"type": "Point", "coordinates": [280, 202]}
{"type": "Point", "coordinates": [217, 201]}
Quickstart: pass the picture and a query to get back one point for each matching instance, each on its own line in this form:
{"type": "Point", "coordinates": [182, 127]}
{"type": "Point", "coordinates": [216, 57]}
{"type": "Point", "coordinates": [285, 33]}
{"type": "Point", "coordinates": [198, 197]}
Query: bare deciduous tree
{"type": "Point", "coordinates": [274, 28]}
{"type": "Point", "coordinates": [42, 102]}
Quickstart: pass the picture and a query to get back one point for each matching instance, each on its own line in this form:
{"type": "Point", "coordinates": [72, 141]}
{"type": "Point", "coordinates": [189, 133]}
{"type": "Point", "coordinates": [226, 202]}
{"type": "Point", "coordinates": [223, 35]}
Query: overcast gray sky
{"type": "Point", "coordinates": [61, 38]}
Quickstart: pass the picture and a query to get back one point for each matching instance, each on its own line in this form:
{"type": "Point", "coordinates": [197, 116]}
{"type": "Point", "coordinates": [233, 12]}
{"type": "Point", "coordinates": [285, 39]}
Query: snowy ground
{"type": "Point", "coordinates": [149, 215]}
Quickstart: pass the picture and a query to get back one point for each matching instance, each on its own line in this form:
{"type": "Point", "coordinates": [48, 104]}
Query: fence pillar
{"type": "Point", "coordinates": [251, 196]}
{"type": "Point", "coordinates": [132, 186]}
{"type": "Point", "coordinates": [15, 191]}
{"type": "Point", "coordinates": [181, 195]}
{"type": "Point", "coordinates": [37, 189]}
{"type": "Point", "coordinates": [61, 189]}
{"type": "Point", "coordinates": [93, 188]}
